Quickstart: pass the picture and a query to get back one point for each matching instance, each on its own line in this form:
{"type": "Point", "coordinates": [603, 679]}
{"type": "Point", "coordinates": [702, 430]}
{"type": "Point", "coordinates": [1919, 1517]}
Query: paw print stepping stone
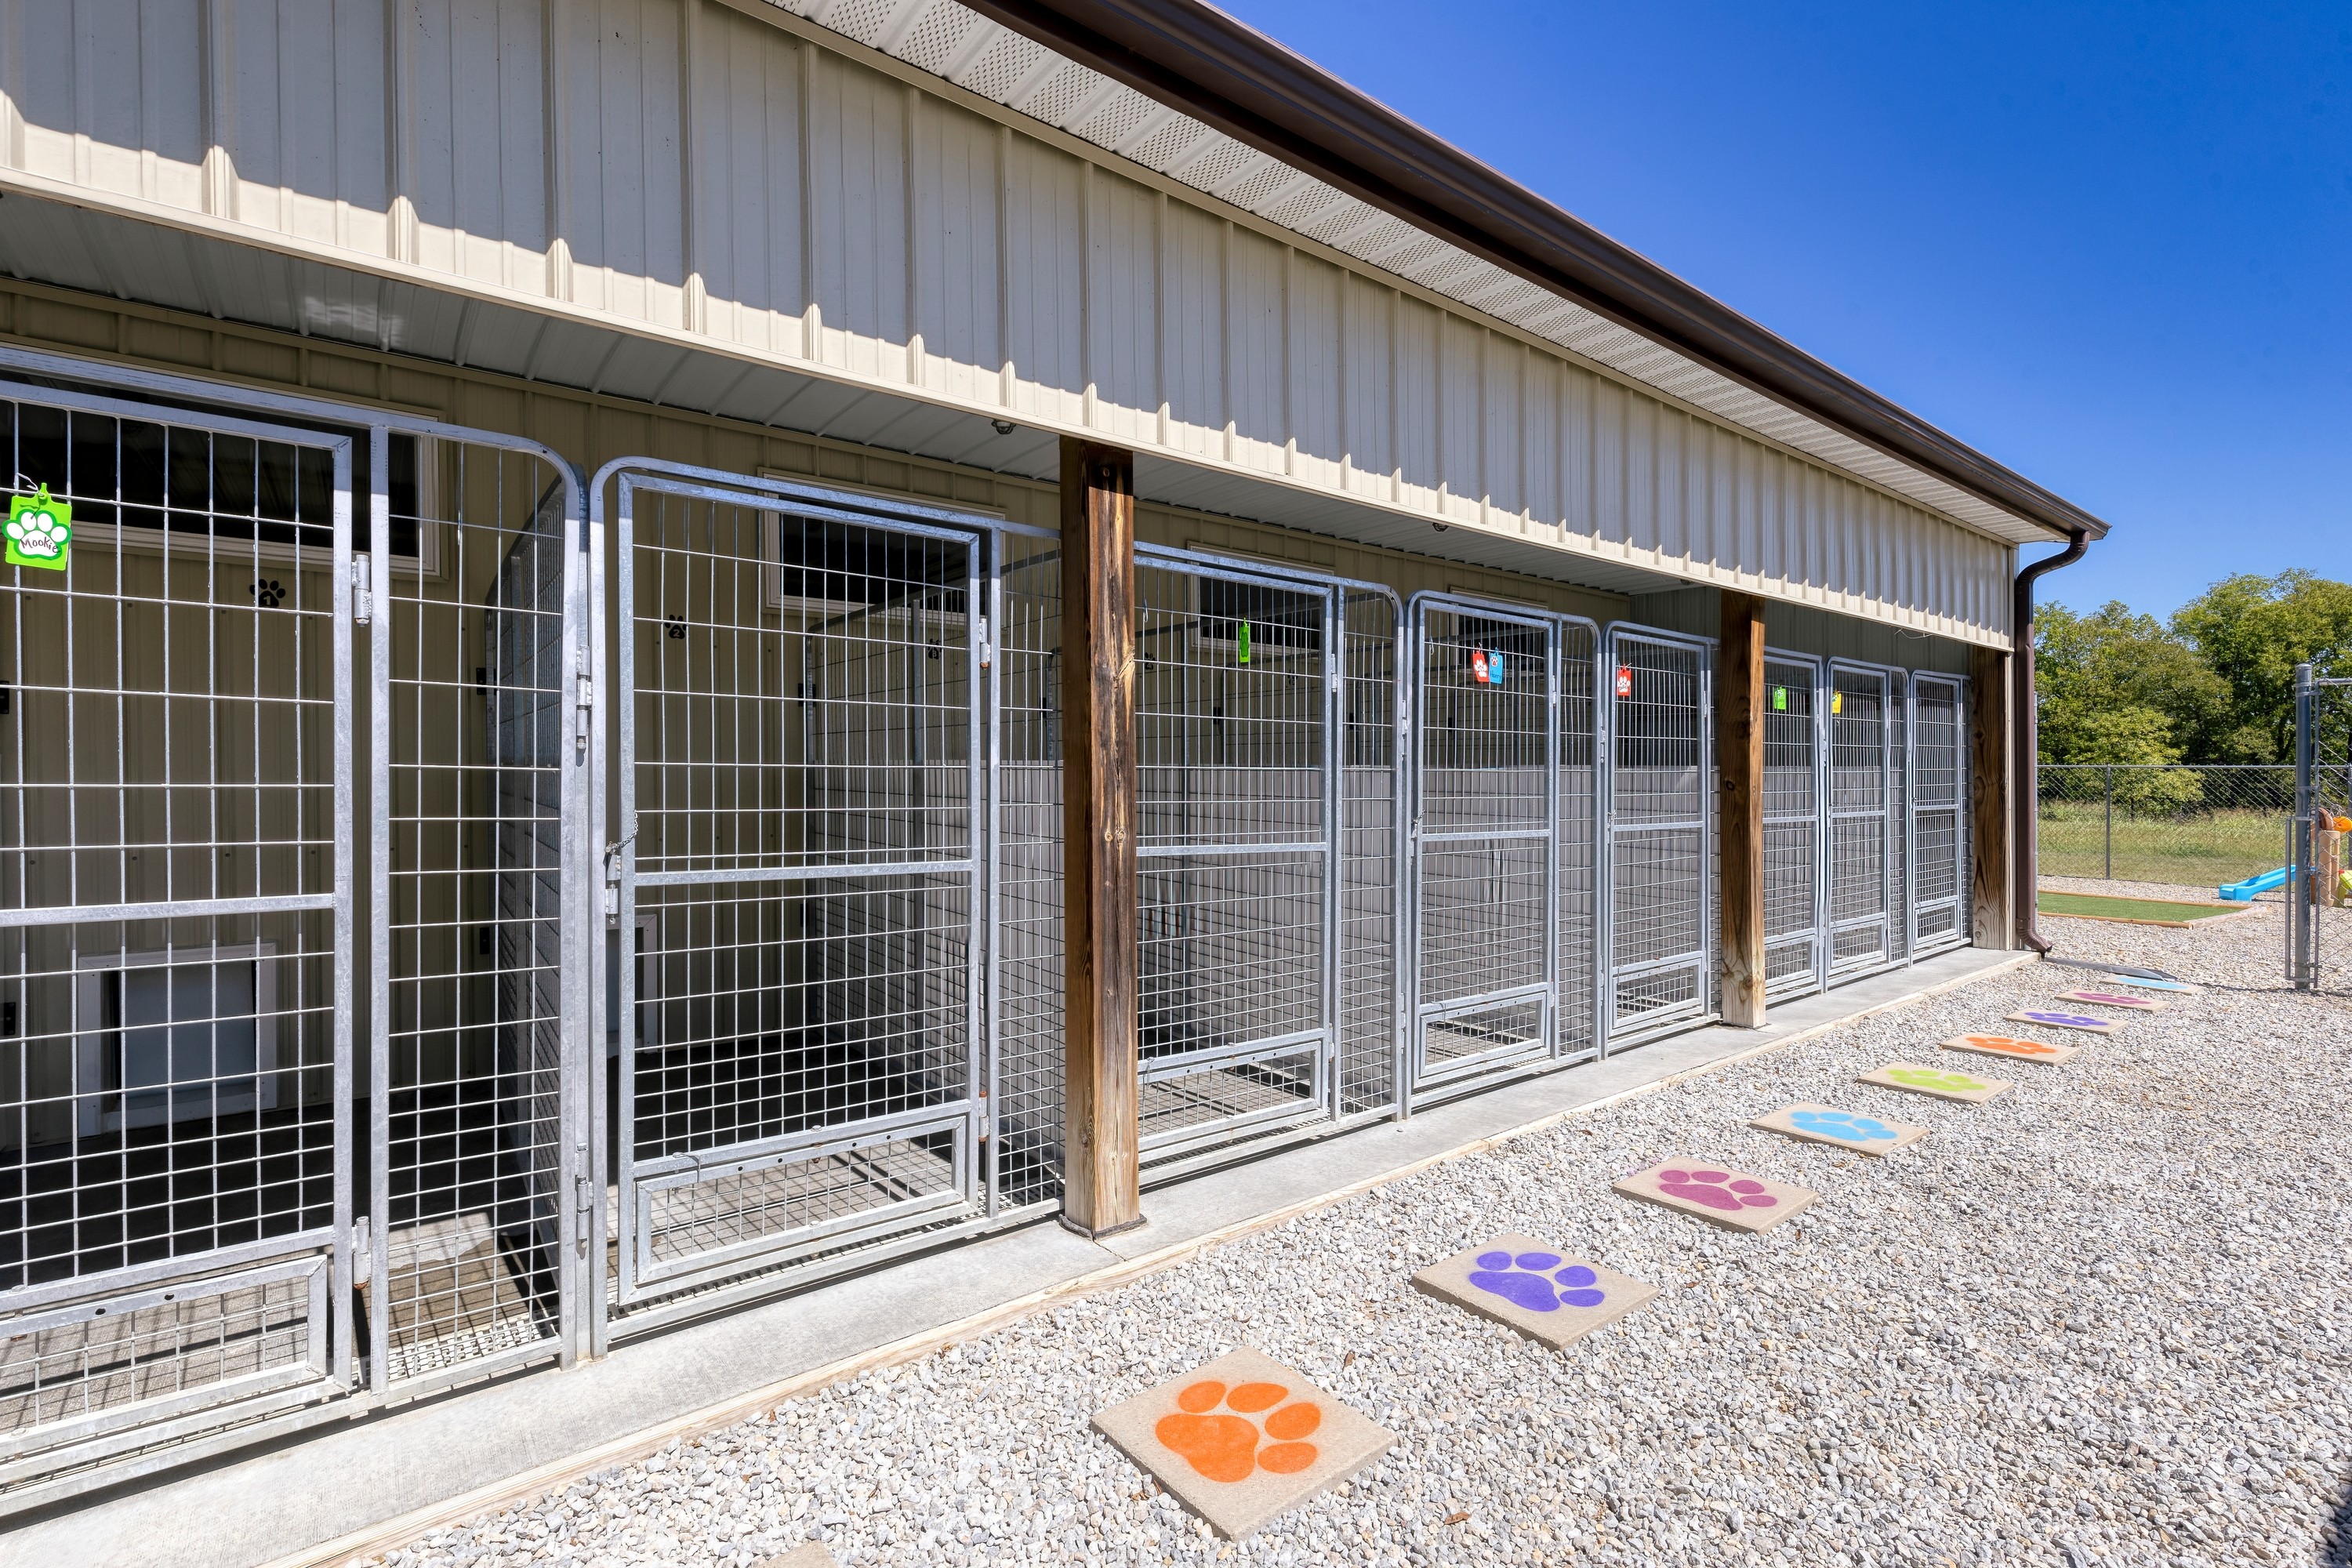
{"type": "Point", "coordinates": [1733, 1199]}
{"type": "Point", "coordinates": [2053, 1019]}
{"type": "Point", "coordinates": [1913, 1079]}
{"type": "Point", "coordinates": [1243, 1439]}
{"type": "Point", "coordinates": [2113, 999]}
{"type": "Point", "coordinates": [2016, 1050]}
{"type": "Point", "coordinates": [1533, 1287]}
{"type": "Point", "coordinates": [811, 1555]}
{"type": "Point", "coordinates": [1840, 1128]}
{"type": "Point", "coordinates": [2142, 983]}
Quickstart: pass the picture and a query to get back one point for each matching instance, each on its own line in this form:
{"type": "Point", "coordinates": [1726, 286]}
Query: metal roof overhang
{"type": "Point", "coordinates": [113, 256]}
{"type": "Point", "coordinates": [1192, 57]}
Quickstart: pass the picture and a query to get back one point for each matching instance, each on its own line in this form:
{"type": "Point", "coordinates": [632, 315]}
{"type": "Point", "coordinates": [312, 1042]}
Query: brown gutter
{"type": "Point", "coordinates": [2025, 794]}
{"type": "Point", "coordinates": [1235, 80]}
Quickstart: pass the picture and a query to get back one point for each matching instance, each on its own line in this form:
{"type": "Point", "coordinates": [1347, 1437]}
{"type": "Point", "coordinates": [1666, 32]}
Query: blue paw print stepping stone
{"type": "Point", "coordinates": [1855, 1130]}
{"type": "Point", "coordinates": [1535, 1288]}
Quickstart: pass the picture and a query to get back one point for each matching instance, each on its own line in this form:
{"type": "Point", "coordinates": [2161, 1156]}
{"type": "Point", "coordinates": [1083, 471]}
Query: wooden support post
{"type": "Point", "coordinates": [1101, 1188]}
{"type": "Point", "coordinates": [1740, 765]}
{"type": "Point", "coordinates": [1992, 825]}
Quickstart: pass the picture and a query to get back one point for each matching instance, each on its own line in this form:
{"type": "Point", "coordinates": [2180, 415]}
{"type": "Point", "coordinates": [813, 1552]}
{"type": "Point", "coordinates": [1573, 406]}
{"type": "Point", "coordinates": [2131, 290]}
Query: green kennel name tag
{"type": "Point", "coordinates": [1240, 642]}
{"type": "Point", "coordinates": [1780, 700]}
{"type": "Point", "coordinates": [39, 530]}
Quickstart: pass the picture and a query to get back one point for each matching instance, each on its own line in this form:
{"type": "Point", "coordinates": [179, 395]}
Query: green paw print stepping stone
{"type": "Point", "coordinates": [1913, 1079]}
{"type": "Point", "coordinates": [1840, 1128]}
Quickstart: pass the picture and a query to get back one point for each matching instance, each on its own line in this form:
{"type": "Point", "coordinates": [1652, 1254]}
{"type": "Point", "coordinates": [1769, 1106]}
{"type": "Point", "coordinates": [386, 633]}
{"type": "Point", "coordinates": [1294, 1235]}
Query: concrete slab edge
{"type": "Point", "coordinates": [399, 1531]}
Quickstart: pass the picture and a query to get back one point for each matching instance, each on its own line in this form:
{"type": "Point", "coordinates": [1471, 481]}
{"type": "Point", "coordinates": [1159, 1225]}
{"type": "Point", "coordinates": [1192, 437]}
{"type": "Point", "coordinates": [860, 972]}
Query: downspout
{"type": "Point", "coordinates": [2025, 805]}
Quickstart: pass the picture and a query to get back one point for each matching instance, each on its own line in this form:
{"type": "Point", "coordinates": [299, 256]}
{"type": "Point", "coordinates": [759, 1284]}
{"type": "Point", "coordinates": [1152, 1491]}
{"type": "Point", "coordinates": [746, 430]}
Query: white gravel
{"type": "Point", "coordinates": [2100, 1322]}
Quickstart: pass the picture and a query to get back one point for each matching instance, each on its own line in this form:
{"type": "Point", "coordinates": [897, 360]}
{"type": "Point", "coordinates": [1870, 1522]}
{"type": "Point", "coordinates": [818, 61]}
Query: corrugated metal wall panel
{"type": "Point", "coordinates": [687, 170]}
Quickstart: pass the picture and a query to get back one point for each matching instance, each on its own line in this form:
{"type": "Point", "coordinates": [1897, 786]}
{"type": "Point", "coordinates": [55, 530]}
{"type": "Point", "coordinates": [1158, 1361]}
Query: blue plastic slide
{"type": "Point", "coordinates": [2243, 892]}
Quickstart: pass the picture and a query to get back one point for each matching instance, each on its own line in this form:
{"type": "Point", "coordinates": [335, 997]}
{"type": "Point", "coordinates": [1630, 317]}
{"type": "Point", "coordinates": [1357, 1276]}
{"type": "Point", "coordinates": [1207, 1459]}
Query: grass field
{"type": "Point", "coordinates": [2204, 850]}
{"type": "Point", "coordinates": [2104, 907]}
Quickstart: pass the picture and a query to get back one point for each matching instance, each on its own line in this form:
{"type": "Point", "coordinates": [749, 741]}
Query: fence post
{"type": "Point", "coordinates": [2301, 972]}
{"type": "Point", "coordinates": [2111, 823]}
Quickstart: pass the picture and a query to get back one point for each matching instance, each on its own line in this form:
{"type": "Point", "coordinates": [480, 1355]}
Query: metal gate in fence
{"type": "Point", "coordinates": [1485, 837]}
{"type": "Point", "coordinates": [1861, 787]}
{"type": "Point", "coordinates": [801, 751]}
{"type": "Point", "coordinates": [2318, 833]}
{"type": "Point", "coordinates": [1661, 794]}
{"type": "Point", "coordinates": [1237, 719]}
{"type": "Point", "coordinates": [1793, 951]}
{"type": "Point", "coordinates": [177, 830]}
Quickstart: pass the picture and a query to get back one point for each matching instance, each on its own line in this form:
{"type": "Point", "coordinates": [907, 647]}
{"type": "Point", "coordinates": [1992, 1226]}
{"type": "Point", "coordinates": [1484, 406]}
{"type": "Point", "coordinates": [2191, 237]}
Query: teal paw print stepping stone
{"type": "Point", "coordinates": [1939, 1083]}
{"type": "Point", "coordinates": [1855, 1130]}
{"type": "Point", "coordinates": [1535, 1288]}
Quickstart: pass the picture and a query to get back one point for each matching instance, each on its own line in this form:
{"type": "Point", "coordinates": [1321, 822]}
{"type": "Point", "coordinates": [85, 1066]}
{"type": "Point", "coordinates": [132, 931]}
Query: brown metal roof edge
{"type": "Point", "coordinates": [1237, 80]}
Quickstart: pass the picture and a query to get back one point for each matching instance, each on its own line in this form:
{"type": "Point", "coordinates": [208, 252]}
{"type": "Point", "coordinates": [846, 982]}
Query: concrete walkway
{"type": "Point", "coordinates": [341, 1491]}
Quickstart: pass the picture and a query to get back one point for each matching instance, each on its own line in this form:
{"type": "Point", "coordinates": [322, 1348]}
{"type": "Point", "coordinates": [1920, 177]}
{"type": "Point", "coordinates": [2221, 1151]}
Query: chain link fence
{"type": "Point", "coordinates": [2192, 827]}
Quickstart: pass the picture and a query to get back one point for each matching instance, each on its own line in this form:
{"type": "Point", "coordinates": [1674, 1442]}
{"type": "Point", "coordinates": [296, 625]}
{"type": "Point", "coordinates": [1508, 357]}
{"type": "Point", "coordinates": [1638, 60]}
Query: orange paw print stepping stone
{"type": "Point", "coordinates": [1227, 1447]}
{"type": "Point", "coordinates": [1243, 1439]}
{"type": "Point", "coordinates": [2041, 1051]}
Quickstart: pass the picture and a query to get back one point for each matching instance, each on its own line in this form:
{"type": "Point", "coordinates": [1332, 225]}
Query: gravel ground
{"type": "Point", "coordinates": [2100, 1322]}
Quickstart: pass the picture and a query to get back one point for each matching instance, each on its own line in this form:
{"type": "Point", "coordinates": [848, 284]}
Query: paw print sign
{"type": "Point", "coordinates": [39, 530]}
{"type": "Point", "coordinates": [1733, 1199]}
{"type": "Point", "coordinates": [1534, 1287]}
{"type": "Point", "coordinates": [1913, 1079]}
{"type": "Point", "coordinates": [1840, 1128]}
{"type": "Point", "coordinates": [2017, 1050]}
{"type": "Point", "coordinates": [1243, 1439]}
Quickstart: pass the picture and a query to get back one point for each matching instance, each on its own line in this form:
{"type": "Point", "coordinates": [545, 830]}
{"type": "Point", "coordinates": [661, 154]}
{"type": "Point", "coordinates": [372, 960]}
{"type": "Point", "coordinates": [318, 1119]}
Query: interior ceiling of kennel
{"type": "Point", "coordinates": [102, 253]}
{"type": "Point", "coordinates": [949, 40]}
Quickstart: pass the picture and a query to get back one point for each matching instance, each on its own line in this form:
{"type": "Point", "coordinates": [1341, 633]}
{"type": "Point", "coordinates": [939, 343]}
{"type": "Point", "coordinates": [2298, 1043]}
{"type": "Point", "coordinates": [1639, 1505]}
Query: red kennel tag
{"type": "Point", "coordinates": [1624, 681]}
{"type": "Point", "coordinates": [1478, 666]}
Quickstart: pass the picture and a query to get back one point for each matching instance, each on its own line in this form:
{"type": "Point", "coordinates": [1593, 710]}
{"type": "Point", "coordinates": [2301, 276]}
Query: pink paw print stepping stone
{"type": "Point", "coordinates": [1728, 1197]}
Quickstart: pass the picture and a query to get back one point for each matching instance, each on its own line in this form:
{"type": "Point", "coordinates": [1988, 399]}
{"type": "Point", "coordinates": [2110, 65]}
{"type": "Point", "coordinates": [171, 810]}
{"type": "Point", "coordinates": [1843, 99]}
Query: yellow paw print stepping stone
{"type": "Point", "coordinates": [1912, 1078]}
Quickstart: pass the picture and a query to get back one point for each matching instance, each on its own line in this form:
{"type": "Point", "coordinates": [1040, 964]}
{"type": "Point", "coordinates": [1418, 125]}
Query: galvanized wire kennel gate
{"type": "Point", "coordinates": [750, 971]}
{"type": "Point", "coordinates": [245, 1170]}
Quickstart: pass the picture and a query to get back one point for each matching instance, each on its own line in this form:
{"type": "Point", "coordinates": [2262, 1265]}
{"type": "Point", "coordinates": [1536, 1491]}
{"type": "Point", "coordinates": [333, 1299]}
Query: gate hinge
{"type": "Point", "coordinates": [362, 597]}
{"type": "Point", "coordinates": [986, 652]}
{"type": "Point", "coordinates": [362, 1264]}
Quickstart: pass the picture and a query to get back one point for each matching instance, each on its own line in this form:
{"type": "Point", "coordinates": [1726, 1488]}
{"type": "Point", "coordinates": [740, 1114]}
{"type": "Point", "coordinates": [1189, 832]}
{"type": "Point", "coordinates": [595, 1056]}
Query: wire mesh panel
{"type": "Point", "coordinates": [1793, 949]}
{"type": "Point", "coordinates": [1898, 817]}
{"type": "Point", "coordinates": [1485, 838]}
{"type": "Point", "coordinates": [1661, 797]}
{"type": "Point", "coordinates": [1026, 995]}
{"type": "Point", "coordinates": [1939, 812]}
{"type": "Point", "coordinates": [1236, 780]}
{"type": "Point", "coordinates": [1577, 911]}
{"type": "Point", "coordinates": [477, 747]}
{"type": "Point", "coordinates": [175, 834]}
{"type": "Point", "coordinates": [1860, 784]}
{"type": "Point", "coordinates": [1372, 863]}
{"type": "Point", "coordinates": [801, 768]}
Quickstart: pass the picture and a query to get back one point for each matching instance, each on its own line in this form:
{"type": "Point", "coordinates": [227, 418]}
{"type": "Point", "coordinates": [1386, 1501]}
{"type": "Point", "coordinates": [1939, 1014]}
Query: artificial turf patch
{"type": "Point", "coordinates": [2100, 905]}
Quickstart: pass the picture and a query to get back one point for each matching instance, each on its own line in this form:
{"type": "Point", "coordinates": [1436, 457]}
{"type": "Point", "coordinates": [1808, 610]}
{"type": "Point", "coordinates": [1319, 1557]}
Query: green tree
{"type": "Point", "coordinates": [2251, 632]}
{"type": "Point", "coordinates": [2119, 688]}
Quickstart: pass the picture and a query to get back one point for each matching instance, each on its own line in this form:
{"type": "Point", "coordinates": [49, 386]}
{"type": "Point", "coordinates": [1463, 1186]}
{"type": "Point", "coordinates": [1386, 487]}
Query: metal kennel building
{"type": "Point", "coordinates": [704, 643]}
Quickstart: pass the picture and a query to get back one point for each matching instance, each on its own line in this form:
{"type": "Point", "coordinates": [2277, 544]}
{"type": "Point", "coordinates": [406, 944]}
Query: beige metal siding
{"type": "Point", "coordinates": [680, 169]}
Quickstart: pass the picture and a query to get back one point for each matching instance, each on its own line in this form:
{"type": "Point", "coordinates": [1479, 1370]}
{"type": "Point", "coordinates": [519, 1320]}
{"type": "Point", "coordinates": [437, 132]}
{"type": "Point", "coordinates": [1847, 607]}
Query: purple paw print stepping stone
{"type": "Point", "coordinates": [2059, 1018]}
{"type": "Point", "coordinates": [1535, 1288]}
{"type": "Point", "coordinates": [1730, 1198]}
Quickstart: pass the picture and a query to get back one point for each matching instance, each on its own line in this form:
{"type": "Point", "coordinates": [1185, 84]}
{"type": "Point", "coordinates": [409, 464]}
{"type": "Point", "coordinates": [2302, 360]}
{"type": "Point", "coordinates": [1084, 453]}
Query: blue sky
{"type": "Point", "coordinates": [2109, 246]}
